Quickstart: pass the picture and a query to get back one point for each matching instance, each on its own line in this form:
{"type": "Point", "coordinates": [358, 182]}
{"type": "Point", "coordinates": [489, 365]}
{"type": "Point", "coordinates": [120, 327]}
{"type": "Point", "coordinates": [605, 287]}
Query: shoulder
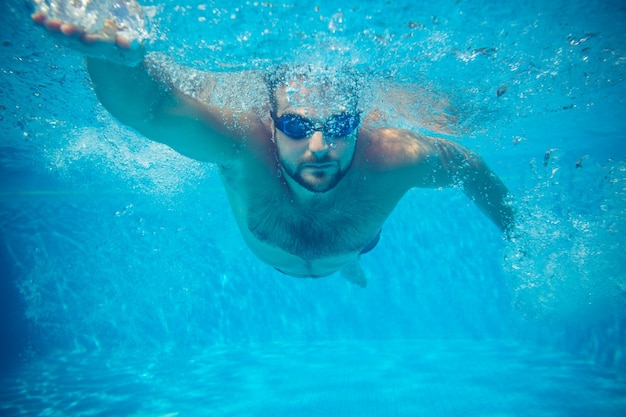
{"type": "Point", "coordinates": [386, 148]}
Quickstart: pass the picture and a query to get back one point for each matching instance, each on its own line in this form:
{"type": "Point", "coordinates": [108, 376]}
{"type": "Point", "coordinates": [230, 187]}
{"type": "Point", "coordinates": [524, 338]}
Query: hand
{"type": "Point", "coordinates": [125, 31]}
{"type": "Point", "coordinates": [108, 34]}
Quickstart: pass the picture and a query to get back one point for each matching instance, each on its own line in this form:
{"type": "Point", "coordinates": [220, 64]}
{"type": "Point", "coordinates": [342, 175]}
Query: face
{"type": "Point", "coordinates": [320, 159]}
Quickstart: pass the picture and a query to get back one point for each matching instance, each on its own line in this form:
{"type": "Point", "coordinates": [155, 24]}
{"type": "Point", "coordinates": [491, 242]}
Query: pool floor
{"type": "Point", "coordinates": [345, 378]}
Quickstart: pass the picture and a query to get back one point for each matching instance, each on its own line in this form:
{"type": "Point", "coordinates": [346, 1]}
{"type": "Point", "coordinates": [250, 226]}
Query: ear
{"type": "Point", "coordinates": [271, 126]}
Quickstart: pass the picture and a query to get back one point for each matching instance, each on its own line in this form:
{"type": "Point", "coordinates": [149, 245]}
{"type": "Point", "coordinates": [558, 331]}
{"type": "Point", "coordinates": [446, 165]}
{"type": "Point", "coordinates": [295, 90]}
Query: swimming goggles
{"type": "Point", "coordinates": [300, 127]}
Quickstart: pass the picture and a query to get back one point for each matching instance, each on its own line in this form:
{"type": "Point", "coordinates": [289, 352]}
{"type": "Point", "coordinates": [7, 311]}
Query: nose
{"type": "Point", "coordinates": [318, 145]}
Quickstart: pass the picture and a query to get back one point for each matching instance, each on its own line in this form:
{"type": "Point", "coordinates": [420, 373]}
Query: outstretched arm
{"type": "Point", "coordinates": [155, 97]}
{"type": "Point", "coordinates": [426, 162]}
{"type": "Point", "coordinates": [457, 166]}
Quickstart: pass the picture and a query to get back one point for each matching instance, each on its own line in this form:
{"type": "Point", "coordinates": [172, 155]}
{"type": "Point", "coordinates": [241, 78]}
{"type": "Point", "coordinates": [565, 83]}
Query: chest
{"type": "Point", "coordinates": [316, 231]}
{"type": "Point", "coordinates": [329, 227]}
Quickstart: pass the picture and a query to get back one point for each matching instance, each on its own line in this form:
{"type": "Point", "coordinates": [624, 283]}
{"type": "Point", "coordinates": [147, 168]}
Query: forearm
{"type": "Point", "coordinates": [128, 92]}
{"type": "Point", "coordinates": [462, 168]}
{"type": "Point", "coordinates": [488, 192]}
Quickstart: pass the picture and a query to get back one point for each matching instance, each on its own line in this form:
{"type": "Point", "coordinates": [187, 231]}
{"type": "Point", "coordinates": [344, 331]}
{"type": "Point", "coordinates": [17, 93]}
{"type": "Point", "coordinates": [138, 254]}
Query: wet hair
{"type": "Point", "coordinates": [343, 80]}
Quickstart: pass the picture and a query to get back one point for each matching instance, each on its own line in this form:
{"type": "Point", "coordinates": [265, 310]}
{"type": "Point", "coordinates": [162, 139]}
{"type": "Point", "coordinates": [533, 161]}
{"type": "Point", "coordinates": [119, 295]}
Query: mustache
{"type": "Point", "coordinates": [315, 160]}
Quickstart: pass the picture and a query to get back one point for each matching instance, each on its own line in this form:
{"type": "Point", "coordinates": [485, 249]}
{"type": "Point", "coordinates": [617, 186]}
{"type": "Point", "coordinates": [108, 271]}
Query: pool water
{"type": "Point", "coordinates": [337, 378]}
{"type": "Point", "coordinates": [126, 289]}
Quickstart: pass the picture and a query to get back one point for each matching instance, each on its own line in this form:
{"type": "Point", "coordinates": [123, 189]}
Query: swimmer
{"type": "Point", "coordinates": [310, 178]}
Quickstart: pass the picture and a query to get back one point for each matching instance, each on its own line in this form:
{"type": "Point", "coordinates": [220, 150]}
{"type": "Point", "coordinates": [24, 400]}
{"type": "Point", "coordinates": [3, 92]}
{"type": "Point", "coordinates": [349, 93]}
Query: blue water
{"type": "Point", "coordinates": [125, 288]}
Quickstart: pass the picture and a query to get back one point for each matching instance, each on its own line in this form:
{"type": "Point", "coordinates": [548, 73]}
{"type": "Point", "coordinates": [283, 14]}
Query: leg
{"type": "Point", "coordinates": [354, 273]}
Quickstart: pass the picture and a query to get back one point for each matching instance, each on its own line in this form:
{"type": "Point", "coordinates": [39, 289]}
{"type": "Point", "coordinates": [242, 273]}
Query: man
{"type": "Point", "coordinates": [310, 177]}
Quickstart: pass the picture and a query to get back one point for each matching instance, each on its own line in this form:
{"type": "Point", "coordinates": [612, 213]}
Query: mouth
{"type": "Point", "coordinates": [319, 166]}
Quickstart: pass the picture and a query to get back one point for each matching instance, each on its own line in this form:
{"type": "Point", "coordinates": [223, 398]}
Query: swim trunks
{"type": "Point", "coordinates": [371, 245]}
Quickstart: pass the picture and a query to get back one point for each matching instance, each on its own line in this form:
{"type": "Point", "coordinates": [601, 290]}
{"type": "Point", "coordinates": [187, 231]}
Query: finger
{"type": "Point", "coordinates": [89, 38]}
{"type": "Point", "coordinates": [122, 42]}
{"type": "Point", "coordinates": [38, 17]}
{"type": "Point", "coordinates": [69, 30]}
{"type": "Point", "coordinates": [53, 25]}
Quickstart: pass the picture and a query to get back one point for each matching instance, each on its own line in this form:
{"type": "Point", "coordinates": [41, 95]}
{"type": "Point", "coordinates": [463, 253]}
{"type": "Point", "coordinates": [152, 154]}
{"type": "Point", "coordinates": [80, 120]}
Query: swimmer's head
{"type": "Point", "coordinates": [316, 120]}
{"type": "Point", "coordinates": [318, 90]}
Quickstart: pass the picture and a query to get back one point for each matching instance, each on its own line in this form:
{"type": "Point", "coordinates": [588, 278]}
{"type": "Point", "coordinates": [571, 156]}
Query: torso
{"type": "Point", "coordinates": [315, 239]}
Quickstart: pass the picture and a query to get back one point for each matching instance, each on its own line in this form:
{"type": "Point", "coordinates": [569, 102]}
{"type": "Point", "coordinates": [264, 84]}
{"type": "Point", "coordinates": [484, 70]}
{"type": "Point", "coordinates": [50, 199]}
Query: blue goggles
{"type": "Point", "coordinates": [299, 127]}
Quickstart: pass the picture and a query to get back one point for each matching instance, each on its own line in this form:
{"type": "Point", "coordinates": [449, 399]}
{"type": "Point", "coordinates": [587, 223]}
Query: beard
{"type": "Point", "coordinates": [317, 181]}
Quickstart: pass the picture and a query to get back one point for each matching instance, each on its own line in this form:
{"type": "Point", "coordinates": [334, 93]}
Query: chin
{"type": "Point", "coordinates": [316, 183]}
{"type": "Point", "coordinates": [319, 185]}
